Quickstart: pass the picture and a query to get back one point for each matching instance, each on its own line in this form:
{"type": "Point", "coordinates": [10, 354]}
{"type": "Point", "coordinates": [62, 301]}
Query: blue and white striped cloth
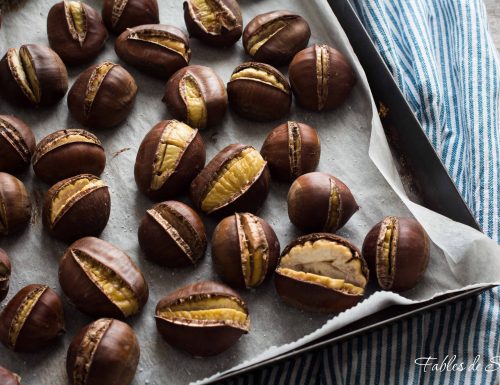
{"type": "Point", "coordinates": [444, 60]}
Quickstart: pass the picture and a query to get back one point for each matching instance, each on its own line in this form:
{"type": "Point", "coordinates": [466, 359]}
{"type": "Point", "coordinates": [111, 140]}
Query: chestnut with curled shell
{"type": "Point", "coordinates": [15, 205]}
{"type": "Point", "coordinates": [118, 15]}
{"type": "Point", "coordinates": [17, 144]}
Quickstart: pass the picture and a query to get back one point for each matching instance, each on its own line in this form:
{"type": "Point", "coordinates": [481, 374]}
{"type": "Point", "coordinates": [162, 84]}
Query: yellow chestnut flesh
{"type": "Point", "coordinates": [264, 34]}
{"type": "Point", "coordinates": [257, 74]}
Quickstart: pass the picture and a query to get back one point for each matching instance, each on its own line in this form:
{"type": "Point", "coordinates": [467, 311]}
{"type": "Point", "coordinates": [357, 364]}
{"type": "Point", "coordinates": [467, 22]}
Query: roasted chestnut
{"type": "Point", "coordinates": [156, 49]}
{"type": "Point", "coordinates": [33, 76]}
{"type": "Point", "coordinates": [102, 96]}
{"type": "Point", "coordinates": [203, 319]}
{"type": "Point", "coordinates": [5, 270]}
{"type": "Point", "coordinates": [7, 377]}
{"type": "Point", "coordinates": [291, 149]}
{"type": "Point", "coordinates": [75, 31]}
{"type": "Point", "coordinates": [321, 272]}
{"type": "Point", "coordinates": [15, 205]}
{"type": "Point", "coordinates": [17, 144]}
{"type": "Point", "coordinates": [397, 252]}
{"type": "Point", "coordinates": [245, 250]}
{"type": "Point", "coordinates": [235, 180]}
{"type": "Point", "coordinates": [118, 15]}
{"type": "Point", "coordinates": [76, 207]}
{"type": "Point", "coordinates": [105, 352]}
{"type": "Point", "coordinates": [32, 319]}
{"type": "Point", "coordinates": [170, 156]}
{"type": "Point", "coordinates": [101, 280]}
{"type": "Point", "coordinates": [197, 96]}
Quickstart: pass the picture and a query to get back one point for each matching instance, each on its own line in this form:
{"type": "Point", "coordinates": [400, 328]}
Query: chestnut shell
{"type": "Point", "coordinates": [17, 144]}
{"type": "Point", "coordinates": [16, 203]}
{"type": "Point", "coordinates": [135, 12]}
{"type": "Point", "coordinates": [4, 279]}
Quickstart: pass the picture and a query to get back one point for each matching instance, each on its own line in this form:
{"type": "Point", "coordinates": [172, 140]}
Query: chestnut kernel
{"type": "Point", "coordinates": [118, 15]}
{"type": "Point", "coordinates": [32, 319]}
{"type": "Point", "coordinates": [17, 144]}
{"type": "Point", "coordinates": [101, 280]}
{"type": "Point", "coordinates": [105, 352]}
{"type": "Point", "coordinates": [397, 251]}
{"type": "Point", "coordinates": [320, 202]}
{"type": "Point", "coordinates": [321, 272]}
{"type": "Point", "coordinates": [203, 319]}
{"type": "Point", "coordinates": [9, 378]}
{"type": "Point", "coordinates": [5, 270]}
{"type": "Point", "coordinates": [245, 250]}
{"type": "Point", "coordinates": [15, 205]}
{"type": "Point", "coordinates": [172, 234]}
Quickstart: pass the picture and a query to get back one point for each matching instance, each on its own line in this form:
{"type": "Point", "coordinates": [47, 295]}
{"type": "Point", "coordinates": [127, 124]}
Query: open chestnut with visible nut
{"type": "Point", "coordinates": [9, 378]}
{"type": "Point", "coordinates": [17, 144]}
{"type": "Point", "coordinates": [5, 270]}
{"type": "Point", "coordinates": [15, 205]}
{"type": "Point", "coordinates": [118, 15]}
{"type": "Point", "coordinates": [321, 272]}
{"type": "Point", "coordinates": [397, 252]}
{"type": "Point", "coordinates": [203, 319]}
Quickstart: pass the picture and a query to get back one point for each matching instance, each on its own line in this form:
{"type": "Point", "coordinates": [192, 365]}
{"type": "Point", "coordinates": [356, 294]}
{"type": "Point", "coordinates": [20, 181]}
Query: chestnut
{"type": "Point", "coordinates": [320, 202]}
{"type": "Point", "coordinates": [155, 49]}
{"type": "Point", "coordinates": [75, 31]}
{"type": "Point", "coordinates": [76, 207]}
{"type": "Point", "coordinates": [321, 272]}
{"type": "Point", "coordinates": [32, 319]}
{"type": "Point", "coordinates": [15, 205]}
{"type": "Point", "coordinates": [235, 180]}
{"type": "Point", "coordinates": [214, 22]}
{"type": "Point", "coordinates": [169, 157]}
{"type": "Point", "coordinates": [105, 352]}
{"type": "Point", "coordinates": [245, 250]}
{"type": "Point", "coordinates": [291, 149]}
{"type": "Point", "coordinates": [5, 270]}
{"type": "Point", "coordinates": [397, 251]}
{"type": "Point", "coordinates": [197, 96]}
{"type": "Point", "coordinates": [33, 76]}
{"type": "Point", "coordinates": [275, 37]}
{"type": "Point", "coordinates": [259, 92]}
{"type": "Point", "coordinates": [102, 96]}
{"type": "Point", "coordinates": [203, 319]}
{"type": "Point", "coordinates": [17, 144]}
{"type": "Point", "coordinates": [6, 376]}
{"type": "Point", "coordinates": [67, 153]}
{"type": "Point", "coordinates": [172, 234]}
{"type": "Point", "coordinates": [118, 15]}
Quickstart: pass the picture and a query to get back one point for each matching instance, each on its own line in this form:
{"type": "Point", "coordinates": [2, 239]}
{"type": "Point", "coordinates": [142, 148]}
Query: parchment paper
{"type": "Point", "coordinates": [354, 149]}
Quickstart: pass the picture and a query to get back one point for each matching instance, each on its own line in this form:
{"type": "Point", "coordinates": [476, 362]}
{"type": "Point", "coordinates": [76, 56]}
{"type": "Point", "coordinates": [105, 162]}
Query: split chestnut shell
{"type": "Point", "coordinates": [118, 15]}
{"type": "Point", "coordinates": [17, 144]}
{"type": "Point", "coordinates": [5, 270]}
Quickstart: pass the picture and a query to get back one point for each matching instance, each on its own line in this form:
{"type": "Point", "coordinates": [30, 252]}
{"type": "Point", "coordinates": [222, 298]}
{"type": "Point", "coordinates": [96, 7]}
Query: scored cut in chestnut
{"type": "Point", "coordinates": [321, 272]}
{"type": "Point", "coordinates": [76, 207]}
{"type": "Point", "coordinates": [172, 234]}
{"type": "Point", "coordinates": [259, 92]}
{"type": "Point", "coordinates": [321, 77]}
{"type": "Point", "coordinates": [15, 205]}
{"type": "Point", "coordinates": [101, 280]}
{"type": "Point", "coordinates": [275, 37]}
{"type": "Point", "coordinates": [105, 352]}
{"type": "Point", "coordinates": [118, 15]}
{"type": "Point", "coordinates": [197, 96]}
{"type": "Point", "coordinates": [102, 96]}
{"type": "Point", "coordinates": [75, 31]}
{"type": "Point", "coordinates": [203, 319]}
{"type": "Point", "coordinates": [397, 251]}
{"type": "Point", "coordinates": [17, 144]}
{"type": "Point", "coordinates": [33, 76]}
{"type": "Point", "coordinates": [7, 377]}
{"type": "Point", "coordinates": [320, 202]}
{"type": "Point", "coordinates": [245, 250]}
{"type": "Point", "coordinates": [291, 149]}
{"type": "Point", "coordinates": [32, 319]}
{"type": "Point", "coordinates": [169, 157]}
{"type": "Point", "coordinates": [5, 270]}
{"type": "Point", "coordinates": [235, 180]}
{"type": "Point", "coordinates": [215, 22]}
{"type": "Point", "coordinates": [67, 153]}
{"type": "Point", "coordinates": [156, 49]}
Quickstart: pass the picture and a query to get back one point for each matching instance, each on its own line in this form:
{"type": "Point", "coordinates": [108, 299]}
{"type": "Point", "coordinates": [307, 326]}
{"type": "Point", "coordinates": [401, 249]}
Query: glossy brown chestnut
{"type": "Point", "coordinates": [204, 319]}
{"type": "Point", "coordinates": [5, 270]}
{"type": "Point", "coordinates": [320, 202]}
{"type": "Point", "coordinates": [291, 149]}
{"type": "Point", "coordinates": [215, 22]}
{"type": "Point", "coordinates": [75, 31]}
{"type": "Point", "coordinates": [275, 37]}
{"type": "Point", "coordinates": [397, 252]}
{"type": "Point", "coordinates": [321, 272]}
{"type": "Point", "coordinates": [259, 92]}
{"type": "Point", "coordinates": [118, 15]}
{"type": "Point", "coordinates": [102, 96]}
{"type": "Point", "coordinates": [235, 180]}
{"type": "Point", "coordinates": [169, 157]}
{"type": "Point", "coordinates": [105, 352]}
{"type": "Point", "coordinates": [76, 207]}
{"type": "Point", "coordinates": [197, 96]}
{"type": "Point", "coordinates": [32, 319]}
{"type": "Point", "coordinates": [7, 377]}
{"type": "Point", "coordinates": [321, 78]}
{"type": "Point", "coordinates": [245, 250]}
{"type": "Point", "coordinates": [67, 153]}
{"type": "Point", "coordinates": [156, 49]}
{"type": "Point", "coordinates": [34, 75]}
{"type": "Point", "coordinates": [101, 280]}
{"type": "Point", "coordinates": [17, 144]}
{"type": "Point", "coordinates": [15, 205]}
